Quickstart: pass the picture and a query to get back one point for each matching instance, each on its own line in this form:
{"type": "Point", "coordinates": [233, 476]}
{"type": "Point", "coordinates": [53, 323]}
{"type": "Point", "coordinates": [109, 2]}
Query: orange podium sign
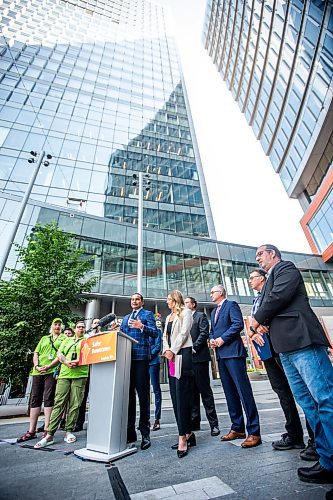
{"type": "Point", "coordinates": [98, 349]}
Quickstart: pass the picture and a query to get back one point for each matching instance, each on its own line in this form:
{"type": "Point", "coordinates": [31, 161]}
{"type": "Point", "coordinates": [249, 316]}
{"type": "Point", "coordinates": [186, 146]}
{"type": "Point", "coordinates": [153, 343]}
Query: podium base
{"type": "Point", "coordinates": [97, 456]}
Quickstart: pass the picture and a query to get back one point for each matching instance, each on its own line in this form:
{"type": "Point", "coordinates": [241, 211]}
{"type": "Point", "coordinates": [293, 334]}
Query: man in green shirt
{"type": "Point", "coordinates": [70, 387]}
{"type": "Point", "coordinates": [43, 377]}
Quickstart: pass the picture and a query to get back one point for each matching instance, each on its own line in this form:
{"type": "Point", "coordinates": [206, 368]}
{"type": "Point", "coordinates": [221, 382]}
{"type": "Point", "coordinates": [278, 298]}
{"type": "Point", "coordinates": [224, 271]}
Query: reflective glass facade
{"type": "Point", "coordinates": [99, 87]}
{"type": "Point", "coordinates": [191, 264]}
{"type": "Point", "coordinates": [277, 60]}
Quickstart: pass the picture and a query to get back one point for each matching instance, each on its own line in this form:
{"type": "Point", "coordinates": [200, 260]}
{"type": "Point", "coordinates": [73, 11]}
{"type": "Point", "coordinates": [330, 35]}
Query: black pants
{"type": "Point", "coordinates": [201, 386]}
{"type": "Point", "coordinates": [280, 386]}
{"type": "Point", "coordinates": [140, 383]}
{"type": "Point", "coordinates": [180, 391]}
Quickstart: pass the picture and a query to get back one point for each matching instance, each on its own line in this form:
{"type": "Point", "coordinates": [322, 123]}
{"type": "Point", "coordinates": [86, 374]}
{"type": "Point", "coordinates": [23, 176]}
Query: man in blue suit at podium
{"type": "Point", "coordinates": [140, 324]}
{"type": "Point", "coordinates": [226, 326]}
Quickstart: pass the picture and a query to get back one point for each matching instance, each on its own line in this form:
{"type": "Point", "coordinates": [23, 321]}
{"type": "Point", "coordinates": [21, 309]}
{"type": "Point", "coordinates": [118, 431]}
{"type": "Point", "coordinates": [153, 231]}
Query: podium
{"type": "Point", "coordinates": [108, 397]}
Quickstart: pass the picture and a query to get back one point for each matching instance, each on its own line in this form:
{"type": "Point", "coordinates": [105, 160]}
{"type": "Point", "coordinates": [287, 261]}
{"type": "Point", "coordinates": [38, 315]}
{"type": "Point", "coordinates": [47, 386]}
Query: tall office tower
{"type": "Point", "coordinates": [277, 60]}
{"type": "Point", "coordinates": [97, 84]}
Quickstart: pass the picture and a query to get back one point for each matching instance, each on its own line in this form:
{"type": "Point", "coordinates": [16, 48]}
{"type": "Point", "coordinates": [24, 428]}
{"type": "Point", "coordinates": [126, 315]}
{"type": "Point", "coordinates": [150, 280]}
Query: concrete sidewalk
{"type": "Point", "coordinates": [212, 469]}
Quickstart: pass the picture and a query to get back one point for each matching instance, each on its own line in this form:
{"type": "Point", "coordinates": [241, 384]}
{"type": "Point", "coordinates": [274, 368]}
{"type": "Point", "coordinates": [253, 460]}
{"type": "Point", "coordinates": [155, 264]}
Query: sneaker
{"type": "Point", "coordinates": [285, 443]}
{"type": "Point", "coordinates": [309, 453]}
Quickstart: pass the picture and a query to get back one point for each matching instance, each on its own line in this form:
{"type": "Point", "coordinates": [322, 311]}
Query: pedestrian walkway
{"type": "Point", "coordinates": [212, 469]}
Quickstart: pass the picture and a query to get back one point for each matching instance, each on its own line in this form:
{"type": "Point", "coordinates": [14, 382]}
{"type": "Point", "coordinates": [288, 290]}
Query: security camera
{"type": "Point", "coordinates": [31, 160]}
{"type": "Point", "coordinates": [46, 163]}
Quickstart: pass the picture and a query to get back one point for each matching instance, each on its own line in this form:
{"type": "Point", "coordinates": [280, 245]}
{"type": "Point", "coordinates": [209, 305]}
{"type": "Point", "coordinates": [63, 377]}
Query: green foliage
{"type": "Point", "coordinates": [50, 279]}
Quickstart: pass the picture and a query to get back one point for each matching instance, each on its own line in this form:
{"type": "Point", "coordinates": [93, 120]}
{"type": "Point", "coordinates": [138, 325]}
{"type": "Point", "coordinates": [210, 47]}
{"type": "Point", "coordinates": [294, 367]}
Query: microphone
{"type": "Point", "coordinates": [104, 321]}
{"type": "Point", "coordinates": [107, 319]}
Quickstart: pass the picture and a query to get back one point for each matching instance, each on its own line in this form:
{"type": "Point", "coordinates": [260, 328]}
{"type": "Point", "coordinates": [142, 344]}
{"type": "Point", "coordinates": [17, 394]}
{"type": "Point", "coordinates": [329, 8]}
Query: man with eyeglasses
{"type": "Point", "coordinates": [301, 342]}
{"type": "Point", "coordinates": [277, 378]}
{"type": "Point", "coordinates": [226, 326]}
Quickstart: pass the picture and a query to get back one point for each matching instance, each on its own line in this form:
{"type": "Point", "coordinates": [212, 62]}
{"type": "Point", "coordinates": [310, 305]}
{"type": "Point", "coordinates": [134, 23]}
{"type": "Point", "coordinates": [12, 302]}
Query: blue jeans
{"type": "Point", "coordinates": [154, 371]}
{"type": "Point", "coordinates": [310, 376]}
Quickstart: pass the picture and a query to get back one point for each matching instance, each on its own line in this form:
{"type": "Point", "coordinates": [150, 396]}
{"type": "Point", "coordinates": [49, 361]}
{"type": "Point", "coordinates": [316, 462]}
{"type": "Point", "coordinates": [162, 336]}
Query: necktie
{"type": "Point", "coordinates": [134, 315]}
{"type": "Point", "coordinates": [217, 312]}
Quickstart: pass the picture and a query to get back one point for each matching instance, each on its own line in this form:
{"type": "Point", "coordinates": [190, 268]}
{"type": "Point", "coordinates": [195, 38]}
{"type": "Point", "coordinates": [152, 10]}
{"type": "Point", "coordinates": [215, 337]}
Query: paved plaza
{"type": "Point", "coordinates": [211, 470]}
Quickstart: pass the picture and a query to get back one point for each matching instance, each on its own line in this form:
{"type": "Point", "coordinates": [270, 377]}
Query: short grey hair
{"type": "Point", "coordinates": [222, 289]}
{"type": "Point", "coordinates": [268, 246]}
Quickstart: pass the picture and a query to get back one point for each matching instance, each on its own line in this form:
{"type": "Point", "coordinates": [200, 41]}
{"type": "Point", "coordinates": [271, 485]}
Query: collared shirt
{"type": "Point", "coordinates": [256, 304]}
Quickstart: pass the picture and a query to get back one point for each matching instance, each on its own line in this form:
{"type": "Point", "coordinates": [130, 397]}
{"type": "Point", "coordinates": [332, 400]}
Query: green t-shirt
{"type": "Point", "coordinates": [47, 349]}
{"type": "Point", "coordinates": [68, 347]}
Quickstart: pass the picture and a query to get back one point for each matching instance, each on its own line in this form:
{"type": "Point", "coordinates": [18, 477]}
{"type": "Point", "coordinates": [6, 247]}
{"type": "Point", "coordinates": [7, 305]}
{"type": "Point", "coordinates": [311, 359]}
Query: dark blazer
{"type": "Point", "coordinates": [228, 326]}
{"type": "Point", "coordinates": [286, 310]}
{"type": "Point", "coordinates": [200, 335]}
{"type": "Point", "coordinates": [141, 351]}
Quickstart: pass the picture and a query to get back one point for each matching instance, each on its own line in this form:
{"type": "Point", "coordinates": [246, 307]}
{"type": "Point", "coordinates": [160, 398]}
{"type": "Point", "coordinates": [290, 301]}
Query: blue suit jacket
{"type": "Point", "coordinates": [141, 350]}
{"type": "Point", "coordinates": [155, 348]}
{"type": "Point", "coordinates": [228, 326]}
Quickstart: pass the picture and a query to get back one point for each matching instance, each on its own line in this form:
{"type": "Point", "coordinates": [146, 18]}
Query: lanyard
{"type": "Point", "coordinates": [70, 347]}
{"type": "Point", "coordinates": [52, 343]}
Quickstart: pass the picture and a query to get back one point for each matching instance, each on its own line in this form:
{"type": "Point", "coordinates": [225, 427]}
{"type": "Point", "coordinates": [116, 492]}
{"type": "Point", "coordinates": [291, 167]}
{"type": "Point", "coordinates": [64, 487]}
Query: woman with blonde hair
{"type": "Point", "coordinates": [177, 348]}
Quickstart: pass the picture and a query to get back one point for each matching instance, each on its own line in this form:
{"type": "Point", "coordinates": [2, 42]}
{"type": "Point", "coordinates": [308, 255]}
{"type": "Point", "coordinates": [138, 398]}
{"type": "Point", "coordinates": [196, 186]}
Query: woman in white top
{"type": "Point", "coordinates": [177, 348]}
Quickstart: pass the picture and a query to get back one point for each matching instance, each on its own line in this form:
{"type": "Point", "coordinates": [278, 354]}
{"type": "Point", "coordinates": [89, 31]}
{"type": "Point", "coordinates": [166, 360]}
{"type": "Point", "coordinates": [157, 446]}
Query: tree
{"type": "Point", "coordinates": [50, 279]}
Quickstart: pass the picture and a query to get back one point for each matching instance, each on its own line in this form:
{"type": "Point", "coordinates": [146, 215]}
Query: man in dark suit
{"type": "Point", "coordinates": [299, 338]}
{"type": "Point", "coordinates": [140, 324]}
{"type": "Point", "coordinates": [201, 359]}
{"type": "Point", "coordinates": [226, 326]}
{"type": "Point", "coordinates": [293, 438]}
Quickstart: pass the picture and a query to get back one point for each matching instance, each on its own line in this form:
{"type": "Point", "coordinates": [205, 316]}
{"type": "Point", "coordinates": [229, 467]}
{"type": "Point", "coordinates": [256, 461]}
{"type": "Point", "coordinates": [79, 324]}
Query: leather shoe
{"type": "Point", "coordinates": [315, 474]}
{"type": "Point", "coordinates": [251, 441]}
{"type": "Point", "coordinates": [132, 437]}
{"type": "Point", "coordinates": [145, 443]}
{"type": "Point", "coordinates": [215, 431]}
{"type": "Point", "coordinates": [233, 435]}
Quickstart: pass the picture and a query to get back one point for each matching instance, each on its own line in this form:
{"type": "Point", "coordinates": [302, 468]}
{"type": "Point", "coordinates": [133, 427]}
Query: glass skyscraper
{"type": "Point", "coordinates": [102, 92]}
{"type": "Point", "coordinates": [277, 60]}
{"type": "Point", "coordinates": [98, 85]}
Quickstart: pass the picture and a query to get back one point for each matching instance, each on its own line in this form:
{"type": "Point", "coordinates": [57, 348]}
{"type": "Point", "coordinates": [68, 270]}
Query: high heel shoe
{"type": "Point", "coordinates": [182, 453]}
{"type": "Point", "coordinates": [191, 440]}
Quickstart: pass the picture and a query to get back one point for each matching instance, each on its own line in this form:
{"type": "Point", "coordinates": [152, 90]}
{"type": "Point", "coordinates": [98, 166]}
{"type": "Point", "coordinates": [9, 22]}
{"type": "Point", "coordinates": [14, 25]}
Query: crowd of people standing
{"type": "Point", "coordinates": [286, 333]}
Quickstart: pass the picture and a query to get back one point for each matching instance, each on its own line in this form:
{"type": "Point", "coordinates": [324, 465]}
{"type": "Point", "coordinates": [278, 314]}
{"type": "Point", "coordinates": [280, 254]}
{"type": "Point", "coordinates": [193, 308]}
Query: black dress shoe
{"type": "Point", "coordinates": [132, 437]}
{"type": "Point", "coordinates": [315, 474]}
{"type": "Point", "coordinates": [145, 443]}
{"type": "Point", "coordinates": [215, 431]}
{"type": "Point", "coordinates": [78, 428]}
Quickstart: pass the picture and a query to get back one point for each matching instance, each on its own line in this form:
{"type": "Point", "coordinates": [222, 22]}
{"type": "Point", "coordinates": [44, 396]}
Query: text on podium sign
{"type": "Point", "coordinates": [99, 349]}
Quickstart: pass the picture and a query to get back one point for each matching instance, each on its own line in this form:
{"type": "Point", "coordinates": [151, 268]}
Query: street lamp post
{"type": "Point", "coordinates": [23, 205]}
{"type": "Point", "coordinates": [143, 182]}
